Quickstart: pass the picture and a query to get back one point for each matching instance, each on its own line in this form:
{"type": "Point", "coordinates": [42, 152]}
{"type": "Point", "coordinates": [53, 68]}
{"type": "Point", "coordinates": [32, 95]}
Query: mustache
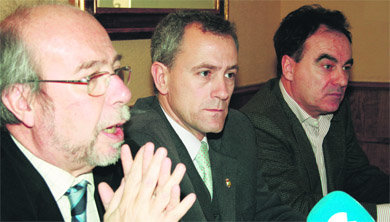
{"type": "Point", "coordinates": [336, 90]}
{"type": "Point", "coordinates": [121, 115]}
{"type": "Point", "coordinates": [125, 113]}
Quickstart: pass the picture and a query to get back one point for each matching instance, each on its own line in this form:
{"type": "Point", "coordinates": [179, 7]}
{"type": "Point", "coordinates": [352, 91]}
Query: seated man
{"type": "Point", "coordinates": [194, 57]}
{"type": "Point", "coordinates": [63, 104]}
{"type": "Point", "coordinates": [307, 145]}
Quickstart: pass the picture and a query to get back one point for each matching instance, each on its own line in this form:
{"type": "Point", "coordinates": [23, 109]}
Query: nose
{"type": "Point", "coordinates": [117, 91]}
{"type": "Point", "coordinates": [341, 77]}
{"type": "Point", "coordinates": [221, 89]}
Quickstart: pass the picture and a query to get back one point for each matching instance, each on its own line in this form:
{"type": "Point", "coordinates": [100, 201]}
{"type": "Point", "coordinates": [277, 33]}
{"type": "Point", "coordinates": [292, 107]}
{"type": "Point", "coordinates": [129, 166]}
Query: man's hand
{"type": "Point", "coordinates": [148, 191]}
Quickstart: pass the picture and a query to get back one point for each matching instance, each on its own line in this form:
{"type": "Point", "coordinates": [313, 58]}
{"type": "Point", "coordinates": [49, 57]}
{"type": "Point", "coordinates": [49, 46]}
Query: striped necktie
{"type": "Point", "coordinates": [77, 196]}
{"type": "Point", "coordinates": [203, 166]}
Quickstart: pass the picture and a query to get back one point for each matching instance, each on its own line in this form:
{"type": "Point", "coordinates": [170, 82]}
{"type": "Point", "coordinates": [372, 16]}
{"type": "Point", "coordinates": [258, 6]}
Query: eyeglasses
{"type": "Point", "coordinates": [97, 83]}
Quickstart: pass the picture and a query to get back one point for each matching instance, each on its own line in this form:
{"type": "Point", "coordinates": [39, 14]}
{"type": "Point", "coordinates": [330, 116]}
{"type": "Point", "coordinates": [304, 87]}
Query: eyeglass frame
{"type": "Point", "coordinates": [86, 80]}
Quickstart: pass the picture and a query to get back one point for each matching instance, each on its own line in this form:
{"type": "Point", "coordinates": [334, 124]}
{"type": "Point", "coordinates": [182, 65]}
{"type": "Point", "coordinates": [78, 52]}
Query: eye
{"type": "Point", "coordinates": [230, 75]}
{"type": "Point", "coordinates": [204, 73]}
{"type": "Point", "coordinates": [328, 67]}
{"type": "Point", "coordinates": [347, 67]}
{"type": "Point", "coordinates": [96, 75]}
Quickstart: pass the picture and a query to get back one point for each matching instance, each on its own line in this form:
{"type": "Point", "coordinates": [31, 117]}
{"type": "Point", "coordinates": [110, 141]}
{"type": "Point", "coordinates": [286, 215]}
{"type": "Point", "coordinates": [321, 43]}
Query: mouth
{"type": "Point", "coordinates": [111, 129]}
{"type": "Point", "coordinates": [336, 94]}
{"type": "Point", "coordinates": [115, 131]}
{"type": "Point", "coordinates": [215, 110]}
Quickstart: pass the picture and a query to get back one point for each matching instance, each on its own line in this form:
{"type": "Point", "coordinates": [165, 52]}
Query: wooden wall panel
{"type": "Point", "coordinates": [370, 113]}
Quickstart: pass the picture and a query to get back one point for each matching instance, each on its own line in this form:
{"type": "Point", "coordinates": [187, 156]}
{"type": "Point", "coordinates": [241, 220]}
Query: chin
{"type": "Point", "coordinates": [214, 129]}
{"type": "Point", "coordinates": [108, 155]}
{"type": "Point", "coordinates": [330, 109]}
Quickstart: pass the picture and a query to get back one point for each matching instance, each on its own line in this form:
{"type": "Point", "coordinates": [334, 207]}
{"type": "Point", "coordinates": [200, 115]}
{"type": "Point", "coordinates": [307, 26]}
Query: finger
{"type": "Point", "coordinates": [175, 198]}
{"type": "Point", "coordinates": [175, 178]}
{"type": "Point", "coordinates": [150, 179]}
{"type": "Point", "coordinates": [106, 194]}
{"type": "Point", "coordinates": [126, 158]}
{"type": "Point", "coordinates": [148, 155]}
{"type": "Point", "coordinates": [133, 179]}
{"type": "Point", "coordinates": [181, 209]}
{"type": "Point", "coordinates": [165, 172]}
{"type": "Point", "coordinates": [163, 195]}
{"type": "Point", "coordinates": [164, 191]}
{"type": "Point", "coordinates": [110, 199]}
{"type": "Point", "coordinates": [177, 174]}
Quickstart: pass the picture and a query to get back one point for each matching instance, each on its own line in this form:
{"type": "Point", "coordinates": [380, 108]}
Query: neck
{"type": "Point", "coordinates": [169, 111]}
{"type": "Point", "coordinates": [40, 149]}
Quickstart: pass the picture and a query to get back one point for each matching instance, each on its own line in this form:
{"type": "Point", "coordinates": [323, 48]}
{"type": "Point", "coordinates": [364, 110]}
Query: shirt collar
{"type": "Point", "coordinates": [57, 179]}
{"type": "Point", "coordinates": [189, 140]}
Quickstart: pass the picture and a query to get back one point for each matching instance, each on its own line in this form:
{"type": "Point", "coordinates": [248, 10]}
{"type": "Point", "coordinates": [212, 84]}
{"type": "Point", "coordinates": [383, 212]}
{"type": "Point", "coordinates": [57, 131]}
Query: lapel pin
{"type": "Point", "coordinates": [228, 183]}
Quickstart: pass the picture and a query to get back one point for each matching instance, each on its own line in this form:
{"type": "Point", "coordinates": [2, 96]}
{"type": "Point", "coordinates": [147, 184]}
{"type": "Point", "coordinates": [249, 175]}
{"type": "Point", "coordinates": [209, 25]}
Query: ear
{"type": "Point", "coordinates": [159, 72]}
{"type": "Point", "coordinates": [16, 100]}
{"type": "Point", "coordinates": [288, 66]}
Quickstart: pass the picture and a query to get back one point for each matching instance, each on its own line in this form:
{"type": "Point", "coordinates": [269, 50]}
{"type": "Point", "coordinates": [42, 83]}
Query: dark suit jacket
{"type": "Point", "coordinates": [232, 156]}
{"type": "Point", "coordinates": [24, 194]}
{"type": "Point", "coordinates": [288, 163]}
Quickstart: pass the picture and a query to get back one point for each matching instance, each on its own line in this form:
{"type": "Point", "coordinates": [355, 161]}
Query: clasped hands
{"type": "Point", "coordinates": [148, 191]}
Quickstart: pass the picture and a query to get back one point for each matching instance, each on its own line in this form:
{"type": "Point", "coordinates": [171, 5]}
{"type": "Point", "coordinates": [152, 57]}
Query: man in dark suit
{"type": "Point", "coordinates": [194, 67]}
{"type": "Point", "coordinates": [62, 127]}
{"type": "Point", "coordinates": [307, 145]}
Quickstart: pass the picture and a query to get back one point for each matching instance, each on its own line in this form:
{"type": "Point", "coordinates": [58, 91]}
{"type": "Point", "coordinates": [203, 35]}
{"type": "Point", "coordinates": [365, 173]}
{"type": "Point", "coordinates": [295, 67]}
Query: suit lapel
{"type": "Point", "coordinates": [334, 150]}
{"type": "Point", "coordinates": [191, 182]}
{"type": "Point", "coordinates": [29, 184]}
{"type": "Point", "coordinates": [224, 170]}
{"type": "Point", "coordinates": [304, 145]}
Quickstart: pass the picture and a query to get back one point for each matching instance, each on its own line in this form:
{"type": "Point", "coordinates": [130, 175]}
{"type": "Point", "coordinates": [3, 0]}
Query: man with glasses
{"type": "Point", "coordinates": [63, 104]}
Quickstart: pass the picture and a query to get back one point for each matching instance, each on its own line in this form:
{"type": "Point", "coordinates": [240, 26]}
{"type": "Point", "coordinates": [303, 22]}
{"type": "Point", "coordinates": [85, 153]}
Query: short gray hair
{"type": "Point", "coordinates": [15, 67]}
{"type": "Point", "coordinates": [168, 34]}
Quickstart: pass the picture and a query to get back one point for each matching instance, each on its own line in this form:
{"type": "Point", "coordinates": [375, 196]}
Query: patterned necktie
{"type": "Point", "coordinates": [78, 201]}
{"type": "Point", "coordinates": [203, 166]}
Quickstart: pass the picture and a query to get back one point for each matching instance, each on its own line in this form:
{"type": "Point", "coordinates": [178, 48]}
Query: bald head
{"type": "Point", "coordinates": [51, 37]}
{"type": "Point", "coordinates": [42, 15]}
{"type": "Point", "coordinates": [54, 27]}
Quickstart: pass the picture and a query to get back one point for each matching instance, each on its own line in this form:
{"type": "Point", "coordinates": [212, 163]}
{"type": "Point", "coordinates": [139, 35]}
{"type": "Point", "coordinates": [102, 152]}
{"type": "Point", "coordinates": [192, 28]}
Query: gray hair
{"type": "Point", "coordinates": [168, 34]}
{"type": "Point", "coordinates": [15, 63]}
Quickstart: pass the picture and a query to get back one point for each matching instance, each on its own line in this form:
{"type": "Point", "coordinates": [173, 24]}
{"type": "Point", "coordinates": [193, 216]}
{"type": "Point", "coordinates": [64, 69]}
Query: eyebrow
{"type": "Point", "coordinates": [208, 66]}
{"type": "Point", "coordinates": [349, 62]}
{"type": "Point", "coordinates": [331, 58]}
{"type": "Point", "coordinates": [89, 64]}
{"type": "Point", "coordinates": [326, 56]}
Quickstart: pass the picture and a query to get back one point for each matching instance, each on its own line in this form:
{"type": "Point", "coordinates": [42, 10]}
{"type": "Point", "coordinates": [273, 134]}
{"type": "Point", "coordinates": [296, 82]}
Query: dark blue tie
{"type": "Point", "coordinates": [78, 201]}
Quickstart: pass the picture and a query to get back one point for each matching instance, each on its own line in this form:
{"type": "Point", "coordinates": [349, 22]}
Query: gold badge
{"type": "Point", "coordinates": [228, 183]}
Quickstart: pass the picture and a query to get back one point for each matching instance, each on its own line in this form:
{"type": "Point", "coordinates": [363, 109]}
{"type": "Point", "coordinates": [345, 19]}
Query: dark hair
{"type": "Point", "coordinates": [300, 24]}
{"type": "Point", "coordinates": [168, 34]}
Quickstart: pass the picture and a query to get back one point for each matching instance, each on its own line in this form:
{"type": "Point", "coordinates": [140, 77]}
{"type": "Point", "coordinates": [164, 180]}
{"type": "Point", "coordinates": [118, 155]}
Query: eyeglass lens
{"type": "Point", "coordinates": [98, 84]}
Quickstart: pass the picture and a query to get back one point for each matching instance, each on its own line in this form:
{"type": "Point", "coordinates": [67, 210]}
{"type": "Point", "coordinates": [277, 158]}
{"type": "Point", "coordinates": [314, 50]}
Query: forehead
{"type": "Point", "coordinates": [197, 40]}
{"type": "Point", "coordinates": [326, 41]}
{"type": "Point", "coordinates": [67, 40]}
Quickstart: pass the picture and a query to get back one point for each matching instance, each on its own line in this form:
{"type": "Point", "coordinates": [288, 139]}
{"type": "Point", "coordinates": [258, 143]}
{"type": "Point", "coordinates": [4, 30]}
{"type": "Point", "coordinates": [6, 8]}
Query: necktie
{"type": "Point", "coordinates": [77, 196]}
{"type": "Point", "coordinates": [203, 166]}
